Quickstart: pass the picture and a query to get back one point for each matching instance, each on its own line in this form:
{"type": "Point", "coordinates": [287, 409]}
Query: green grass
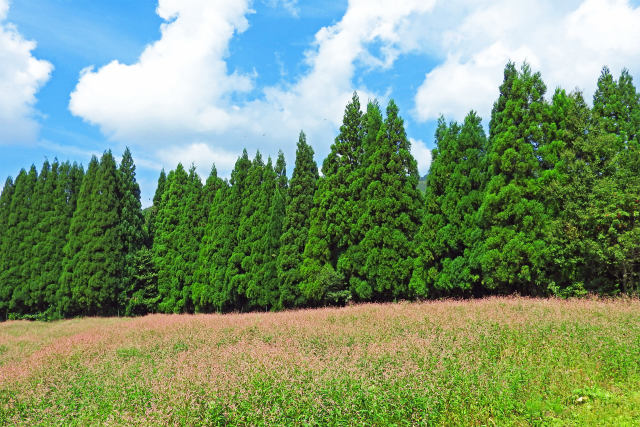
{"type": "Point", "coordinates": [499, 361]}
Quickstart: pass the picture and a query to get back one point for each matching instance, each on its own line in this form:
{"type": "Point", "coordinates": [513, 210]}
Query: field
{"type": "Point", "coordinates": [497, 361]}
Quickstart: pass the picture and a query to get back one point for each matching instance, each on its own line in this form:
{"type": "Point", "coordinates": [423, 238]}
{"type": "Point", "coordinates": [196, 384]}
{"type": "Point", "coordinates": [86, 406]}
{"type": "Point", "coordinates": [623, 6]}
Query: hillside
{"type": "Point", "coordinates": [495, 361]}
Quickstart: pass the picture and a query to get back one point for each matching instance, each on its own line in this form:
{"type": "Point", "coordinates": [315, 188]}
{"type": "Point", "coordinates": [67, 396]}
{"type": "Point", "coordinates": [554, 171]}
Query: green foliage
{"type": "Point", "coordinates": [141, 295]}
{"type": "Point", "coordinates": [337, 206]}
{"type": "Point", "coordinates": [214, 201]}
{"type": "Point", "coordinates": [131, 228]}
{"type": "Point", "coordinates": [391, 216]}
{"type": "Point", "coordinates": [514, 253]}
{"type": "Point", "coordinates": [302, 187]}
{"type": "Point", "coordinates": [5, 245]}
{"type": "Point", "coordinates": [223, 226]}
{"type": "Point", "coordinates": [446, 262]}
{"type": "Point", "coordinates": [150, 218]}
{"type": "Point", "coordinates": [22, 222]}
{"type": "Point", "coordinates": [93, 268]}
{"type": "Point", "coordinates": [547, 204]}
{"type": "Point", "coordinates": [179, 227]}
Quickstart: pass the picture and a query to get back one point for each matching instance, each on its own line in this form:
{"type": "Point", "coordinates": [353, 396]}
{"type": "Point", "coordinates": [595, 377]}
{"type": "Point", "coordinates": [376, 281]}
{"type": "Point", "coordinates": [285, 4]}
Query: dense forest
{"type": "Point", "coordinates": [546, 204]}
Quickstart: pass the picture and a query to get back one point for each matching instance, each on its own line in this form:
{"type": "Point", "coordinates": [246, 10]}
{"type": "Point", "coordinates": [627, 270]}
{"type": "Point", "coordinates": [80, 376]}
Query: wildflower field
{"type": "Point", "coordinates": [496, 361]}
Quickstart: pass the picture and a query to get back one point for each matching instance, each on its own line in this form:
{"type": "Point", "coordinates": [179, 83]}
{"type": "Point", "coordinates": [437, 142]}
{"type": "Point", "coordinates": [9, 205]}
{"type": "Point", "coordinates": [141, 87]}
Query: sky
{"type": "Point", "coordinates": [196, 81]}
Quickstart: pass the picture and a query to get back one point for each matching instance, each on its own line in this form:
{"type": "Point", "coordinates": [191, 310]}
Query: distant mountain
{"type": "Point", "coordinates": [422, 184]}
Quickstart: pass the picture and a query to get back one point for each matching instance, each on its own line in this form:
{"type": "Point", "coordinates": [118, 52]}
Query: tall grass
{"type": "Point", "coordinates": [497, 361]}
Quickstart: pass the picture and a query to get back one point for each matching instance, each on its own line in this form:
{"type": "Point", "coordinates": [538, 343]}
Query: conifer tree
{"type": "Point", "coordinates": [78, 239]}
{"type": "Point", "coordinates": [5, 245]}
{"type": "Point", "coordinates": [222, 230]}
{"type": "Point", "coordinates": [92, 271]}
{"type": "Point", "coordinates": [153, 210]}
{"type": "Point", "coordinates": [131, 218]}
{"type": "Point", "coordinates": [68, 182]}
{"type": "Point", "coordinates": [449, 235]}
{"type": "Point", "coordinates": [42, 258]}
{"type": "Point", "coordinates": [20, 236]}
{"type": "Point", "coordinates": [142, 295]}
{"type": "Point", "coordinates": [429, 247]}
{"type": "Point", "coordinates": [392, 215]}
{"type": "Point", "coordinates": [211, 187]}
{"type": "Point", "coordinates": [176, 244]}
{"type": "Point", "coordinates": [132, 227]}
{"type": "Point", "coordinates": [351, 261]}
{"type": "Point", "coordinates": [513, 219]}
{"type": "Point", "coordinates": [241, 268]}
{"type": "Point", "coordinates": [335, 213]}
{"type": "Point", "coordinates": [203, 291]}
{"type": "Point", "coordinates": [569, 167]}
{"type": "Point", "coordinates": [617, 119]}
{"type": "Point", "coordinates": [266, 283]}
{"type": "Point", "coordinates": [302, 187]}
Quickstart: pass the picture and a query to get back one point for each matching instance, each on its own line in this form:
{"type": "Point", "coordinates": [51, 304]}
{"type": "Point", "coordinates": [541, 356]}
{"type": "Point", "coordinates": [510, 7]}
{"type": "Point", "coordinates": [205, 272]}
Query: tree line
{"type": "Point", "coordinates": [546, 204]}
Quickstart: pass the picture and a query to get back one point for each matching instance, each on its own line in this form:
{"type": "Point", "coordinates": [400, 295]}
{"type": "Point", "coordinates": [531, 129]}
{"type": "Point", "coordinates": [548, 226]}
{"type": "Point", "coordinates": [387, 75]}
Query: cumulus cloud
{"type": "Point", "coordinates": [568, 42]}
{"type": "Point", "coordinates": [21, 76]}
{"type": "Point", "coordinates": [179, 84]}
{"type": "Point", "coordinates": [180, 90]}
{"type": "Point", "coordinates": [422, 155]}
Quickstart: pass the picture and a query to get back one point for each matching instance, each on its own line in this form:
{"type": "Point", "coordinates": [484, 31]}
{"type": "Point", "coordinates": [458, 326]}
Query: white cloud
{"type": "Point", "coordinates": [568, 42]}
{"type": "Point", "coordinates": [179, 83]}
{"type": "Point", "coordinates": [422, 155]}
{"type": "Point", "coordinates": [180, 90]}
{"type": "Point", "coordinates": [21, 76]}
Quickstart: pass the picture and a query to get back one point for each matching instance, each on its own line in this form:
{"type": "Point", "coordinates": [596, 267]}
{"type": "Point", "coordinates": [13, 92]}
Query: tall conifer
{"type": "Point", "coordinates": [176, 244]}
{"type": "Point", "coordinates": [240, 272]}
{"type": "Point", "coordinates": [302, 187]}
{"type": "Point", "coordinates": [511, 215]}
{"type": "Point", "coordinates": [392, 214]}
{"type": "Point", "coordinates": [337, 207]}
{"type": "Point", "coordinates": [6, 245]}
{"type": "Point", "coordinates": [22, 222]}
{"type": "Point", "coordinates": [91, 281]}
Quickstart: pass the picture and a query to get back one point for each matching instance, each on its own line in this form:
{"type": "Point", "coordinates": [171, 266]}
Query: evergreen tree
{"type": "Point", "coordinates": [241, 269]}
{"type": "Point", "coordinates": [142, 292]}
{"type": "Point", "coordinates": [203, 291]}
{"type": "Point", "coordinates": [513, 219]}
{"type": "Point", "coordinates": [569, 167]}
{"type": "Point", "coordinates": [93, 268]}
{"type": "Point", "coordinates": [21, 238]}
{"type": "Point", "coordinates": [335, 214]}
{"type": "Point", "coordinates": [179, 226]}
{"type": "Point", "coordinates": [267, 282]}
{"type": "Point", "coordinates": [153, 210]}
{"type": "Point", "coordinates": [425, 272]}
{"type": "Point", "coordinates": [449, 235]}
{"type": "Point", "coordinates": [6, 244]}
{"type": "Point", "coordinates": [617, 120]}
{"type": "Point", "coordinates": [211, 187]}
{"type": "Point", "coordinates": [222, 238]}
{"type": "Point", "coordinates": [302, 187]}
{"type": "Point", "coordinates": [131, 228]}
{"type": "Point", "coordinates": [42, 259]}
{"type": "Point", "coordinates": [392, 215]}
{"type": "Point", "coordinates": [67, 188]}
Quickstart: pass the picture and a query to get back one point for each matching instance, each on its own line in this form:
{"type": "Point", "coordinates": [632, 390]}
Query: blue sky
{"type": "Point", "coordinates": [197, 80]}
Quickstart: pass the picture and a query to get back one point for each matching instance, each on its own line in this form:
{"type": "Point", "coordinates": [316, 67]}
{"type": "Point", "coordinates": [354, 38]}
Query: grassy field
{"type": "Point", "coordinates": [497, 361]}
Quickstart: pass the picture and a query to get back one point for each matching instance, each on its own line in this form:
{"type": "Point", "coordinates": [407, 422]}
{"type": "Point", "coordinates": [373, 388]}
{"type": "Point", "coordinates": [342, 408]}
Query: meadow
{"type": "Point", "coordinates": [495, 361]}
